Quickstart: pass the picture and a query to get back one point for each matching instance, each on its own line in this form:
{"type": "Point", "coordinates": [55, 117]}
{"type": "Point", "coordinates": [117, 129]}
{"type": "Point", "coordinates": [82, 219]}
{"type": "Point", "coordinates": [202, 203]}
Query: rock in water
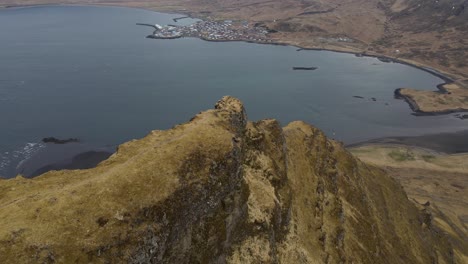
{"type": "Point", "coordinates": [218, 189]}
{"type": "Point", "coordinates": [305, 68]}
{"type": "Point", "coordinates": [59, 141]}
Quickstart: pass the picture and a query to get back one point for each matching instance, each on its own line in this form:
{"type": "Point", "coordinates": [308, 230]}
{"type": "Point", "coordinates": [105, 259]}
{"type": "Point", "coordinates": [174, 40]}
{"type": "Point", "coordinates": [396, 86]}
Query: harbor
{"type": "Point", "coordinates": [212, 31]}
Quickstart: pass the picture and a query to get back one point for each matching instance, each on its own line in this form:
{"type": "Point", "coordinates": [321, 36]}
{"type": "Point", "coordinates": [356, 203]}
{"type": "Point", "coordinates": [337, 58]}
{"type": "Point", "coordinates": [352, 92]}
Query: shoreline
{"type": "Point", "coordinates": [447, 78]}
{"type": "Point", "coordinates": [80, 156]}
{"type": "Point", "coordinates": [416, 109]}
{"type": "Point", "coordinates": [446, 143]}
{"type": "Point", "coordinates": [434, 72]}
{"type": "Point", "coordinates": [66, 156]}
{"type": "Point", "coordinates": [411, 103]}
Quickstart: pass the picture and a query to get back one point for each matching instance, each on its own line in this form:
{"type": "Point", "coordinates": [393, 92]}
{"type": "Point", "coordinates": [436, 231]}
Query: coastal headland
{"type": "Point", "coordinates": [449, 99]}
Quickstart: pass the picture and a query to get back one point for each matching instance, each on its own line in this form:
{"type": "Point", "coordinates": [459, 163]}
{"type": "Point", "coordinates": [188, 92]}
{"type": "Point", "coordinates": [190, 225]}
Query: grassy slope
{"type": "Point", "coordinates": [64, 210]}
{"type": "Point", "coordinates": [429, 176]}
{"type": "Point", "coordinates": [214, 189]}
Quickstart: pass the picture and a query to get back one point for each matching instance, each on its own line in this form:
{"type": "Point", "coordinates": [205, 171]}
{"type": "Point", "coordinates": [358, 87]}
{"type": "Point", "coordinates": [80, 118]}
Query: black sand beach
{"type": "Point", "coordinates": [63, 156]}
{"type": "Point", "coordinates": [449, 143]}
{"type": "Point", "coordinates": [83, 156]}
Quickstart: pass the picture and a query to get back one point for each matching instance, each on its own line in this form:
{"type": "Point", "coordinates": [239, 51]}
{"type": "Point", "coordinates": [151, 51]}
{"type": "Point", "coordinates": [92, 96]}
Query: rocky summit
{"type": "Point", "coordinates": [219, 189]}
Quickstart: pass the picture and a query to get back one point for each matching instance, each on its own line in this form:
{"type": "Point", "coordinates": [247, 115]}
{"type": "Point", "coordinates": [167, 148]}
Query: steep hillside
{"type": "Point", "coordinates": [219, 189]}
{"type": "Point", "coordinates": [435, 181]}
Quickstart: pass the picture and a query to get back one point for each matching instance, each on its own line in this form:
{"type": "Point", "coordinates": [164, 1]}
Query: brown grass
{"type": "Point", "coordinates": [455, 99]}
{"type": "Point", "coordinates": [438, 178]}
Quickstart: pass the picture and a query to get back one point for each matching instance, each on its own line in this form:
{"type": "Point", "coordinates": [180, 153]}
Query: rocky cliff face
{"type": "Point", "coordinates": [218, 189]}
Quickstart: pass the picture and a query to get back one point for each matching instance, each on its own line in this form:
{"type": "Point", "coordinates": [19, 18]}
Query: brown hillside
{"type": "Point", "coordinates": [219, 189]}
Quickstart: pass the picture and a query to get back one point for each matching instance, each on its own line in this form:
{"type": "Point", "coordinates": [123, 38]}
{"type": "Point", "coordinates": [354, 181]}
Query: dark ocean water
{"type": "Point", "coordinates": [90, 73]}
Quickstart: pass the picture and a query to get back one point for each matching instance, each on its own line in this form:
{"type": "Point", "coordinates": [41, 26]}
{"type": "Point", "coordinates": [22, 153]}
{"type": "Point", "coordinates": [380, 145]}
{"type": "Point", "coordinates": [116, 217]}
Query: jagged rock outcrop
{"type": "Point", "coordinates": [218, 189]}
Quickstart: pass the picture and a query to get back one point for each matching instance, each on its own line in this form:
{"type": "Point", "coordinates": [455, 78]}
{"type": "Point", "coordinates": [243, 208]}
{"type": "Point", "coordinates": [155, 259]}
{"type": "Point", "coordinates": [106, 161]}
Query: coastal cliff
{"type": "Point", "coordinates": [219, 189]}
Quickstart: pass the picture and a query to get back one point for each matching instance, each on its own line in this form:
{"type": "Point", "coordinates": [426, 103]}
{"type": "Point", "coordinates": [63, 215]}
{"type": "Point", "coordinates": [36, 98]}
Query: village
{"type": "Point", "coordinates": [213, 31]}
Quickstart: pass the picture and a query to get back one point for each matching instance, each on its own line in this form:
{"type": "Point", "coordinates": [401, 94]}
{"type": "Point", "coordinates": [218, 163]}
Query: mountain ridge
{"type": "Point", "coordinates": [219, 189]}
